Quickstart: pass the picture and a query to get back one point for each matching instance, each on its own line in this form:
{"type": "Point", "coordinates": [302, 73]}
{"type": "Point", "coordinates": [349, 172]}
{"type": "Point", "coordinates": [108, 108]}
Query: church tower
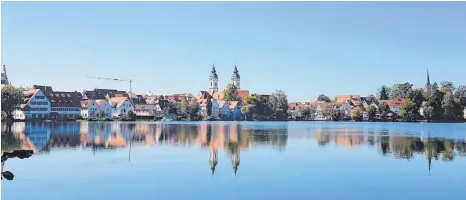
{"type": "Point", "coordinates": [213, 80]}
{"type": "Point", "coordinates": [428, 87]}
{"type": "Point", "coordinates": [235, 78]}
{"type": "Point", "coordinates": [4, 76]}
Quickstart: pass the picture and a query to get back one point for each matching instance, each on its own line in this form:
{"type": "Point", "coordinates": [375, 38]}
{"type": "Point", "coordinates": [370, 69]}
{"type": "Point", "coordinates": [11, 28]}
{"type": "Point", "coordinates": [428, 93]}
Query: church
{"type": "Point", "coordinates": [235, 80]}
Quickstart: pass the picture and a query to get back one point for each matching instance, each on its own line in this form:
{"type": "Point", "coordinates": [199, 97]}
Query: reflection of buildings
{"type": "Point", "coordinates": [400, 147]}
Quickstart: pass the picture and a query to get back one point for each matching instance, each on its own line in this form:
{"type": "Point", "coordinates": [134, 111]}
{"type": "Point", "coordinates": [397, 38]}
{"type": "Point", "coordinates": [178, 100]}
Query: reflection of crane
{"type": "Point", "coordinates": [117, 79]}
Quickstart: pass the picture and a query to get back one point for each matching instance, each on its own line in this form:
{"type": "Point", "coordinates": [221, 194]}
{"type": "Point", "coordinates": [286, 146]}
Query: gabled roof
{"type": "Point", "coordinates": [86, 103]}
{"type": "Point", "coordinates": [221, 103]}
{"type": "Point", "coordinates": [234, 104]}
{"type": "Point", "coordinates": [347, 97]}
{"type": "Point", "coordinates": [118, 100]}
{"type": "Point", "coordinates": [99, 102]}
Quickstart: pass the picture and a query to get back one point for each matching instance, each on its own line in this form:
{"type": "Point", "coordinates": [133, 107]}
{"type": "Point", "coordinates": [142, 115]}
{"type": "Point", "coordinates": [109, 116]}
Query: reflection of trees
{"type": "Point", "coordinates": [277, 138]}
{"type": "Point", "coordinates": [9, 140]}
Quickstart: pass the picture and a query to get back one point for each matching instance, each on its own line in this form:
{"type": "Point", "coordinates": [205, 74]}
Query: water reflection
{"type": "Point", "coordinates": [231, 138]}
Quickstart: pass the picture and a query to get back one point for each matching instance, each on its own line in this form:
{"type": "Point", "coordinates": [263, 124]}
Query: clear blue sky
{"type": "Point", "coordinates": [305, 48]}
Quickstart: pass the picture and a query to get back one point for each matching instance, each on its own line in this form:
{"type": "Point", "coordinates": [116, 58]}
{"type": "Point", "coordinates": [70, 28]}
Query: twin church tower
{"type": "Point", "coordinates": [213, 79]}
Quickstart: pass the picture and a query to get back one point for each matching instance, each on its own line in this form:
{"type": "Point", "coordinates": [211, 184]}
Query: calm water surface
{"type": "Point", "coordinates": [237, 160]}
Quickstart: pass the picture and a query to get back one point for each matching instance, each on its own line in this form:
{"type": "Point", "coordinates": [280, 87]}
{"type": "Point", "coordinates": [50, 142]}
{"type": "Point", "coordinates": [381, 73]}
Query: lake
{"type": "Point", "coordinates": [236, 160]}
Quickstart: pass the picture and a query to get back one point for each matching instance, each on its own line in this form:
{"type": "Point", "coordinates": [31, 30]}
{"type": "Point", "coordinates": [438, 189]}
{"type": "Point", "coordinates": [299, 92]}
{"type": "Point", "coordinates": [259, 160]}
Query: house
{"type": "Point", "coordinates": [354, 98]}
{"type": "Point", "coordinates": [99, 93]}
{"type": "Point", "coordinates": [105, 106]}
{"type": "Point", "coordinates": [296, 108]}
{"type": "Point", "coordinates": [319, 107]}
{"type": "Point", "coordinates": [121, 106]}
{"type": "Point", "coordinates": [145, 111]}
{"type": "Point", "coordinates": [89, 109]}
{"type": "Point", "coordinates": [242, 94]}
{"type": "Point", "coordinates": [394, 104]}
{"type": "Point", "coordinates": [223, 109]}
{"type": "Point", "coordinates": [36, 105]}
{"type": "Point", "coordinates": [235, 109]}
{"type": "Point", "coordinates": [64, 105]}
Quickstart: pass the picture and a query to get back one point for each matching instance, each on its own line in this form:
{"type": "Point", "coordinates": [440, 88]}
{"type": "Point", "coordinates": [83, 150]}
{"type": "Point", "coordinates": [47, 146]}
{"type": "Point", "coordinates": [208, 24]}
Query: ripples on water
{"type": "Point", "coordinates": [105, 148]}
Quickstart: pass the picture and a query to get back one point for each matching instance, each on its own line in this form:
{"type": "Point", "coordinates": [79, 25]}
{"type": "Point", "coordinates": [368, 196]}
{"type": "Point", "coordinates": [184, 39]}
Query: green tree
{"type": "Point", "coordinates": [279, 103]}
{"type": "Point", "coordinates": [452, 109]}
{"type": "Point", "coordinates": [12, 97]}
{"type": "Point", "coordinates": [460, 95]}
{"type": "Point", "coordinates": [101, 113]}
{"type": "Point", "coordinates": [356, 114]}
{"type": "Point", "coordinates": [230, 93]}
{"type": "Point", "coordinates": [371, 99]}
{"type": "Point", "coordinates": [193, 109]}
{"type": "Point", "coordinates": [308, 112]}
{"type": "Point", "coordinates": [130, 115]}
{"type": "Point", "coordinates": [435, 86]}
{"type": "Point", "coordinates": [371, 112]}
{"type": "Point", "coordinates": [383, 93]}
{"type": "Point", "coordinates": [322, 97]}
{"type": "Point", "coordinates": [448, 85]}
{"type": "Point", "coordinates": [428, 112]}
{"type": "Point", "coordinates": [409, 110]}
{"type": "Point", "coordinates": [435, 101]}
{"type": "Point", "coordinates": [183, 108]}
{"type": "Point", "coordinates": [400, 90]}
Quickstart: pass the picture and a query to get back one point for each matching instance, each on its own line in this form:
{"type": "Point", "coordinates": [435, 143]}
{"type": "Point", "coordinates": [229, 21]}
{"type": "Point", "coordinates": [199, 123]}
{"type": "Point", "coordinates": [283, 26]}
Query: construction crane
{"type": "Point", "coordinates": [117, 79]}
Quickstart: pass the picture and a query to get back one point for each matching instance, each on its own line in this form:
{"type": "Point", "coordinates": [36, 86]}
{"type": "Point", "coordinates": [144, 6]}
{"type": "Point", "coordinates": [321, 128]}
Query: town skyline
{"type": "Point", "coordinates": [169, 47]}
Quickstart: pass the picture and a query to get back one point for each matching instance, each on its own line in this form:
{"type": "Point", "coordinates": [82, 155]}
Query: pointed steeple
{"type": "Point", "coordinates": [428, 87]}
{"type": "Point", "coordinates": [4, 76]}
{"type": "Point", "coordinates": [235, 78]}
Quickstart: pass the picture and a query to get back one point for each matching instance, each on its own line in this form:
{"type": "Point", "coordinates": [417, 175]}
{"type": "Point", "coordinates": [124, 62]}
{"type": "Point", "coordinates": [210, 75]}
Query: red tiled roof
{"type": "Point", "coordinates": [346, 97]}
{"type": "Point", "coordinates": [118, 100]}
{"type": "Point", "coordinates": [233, 104]}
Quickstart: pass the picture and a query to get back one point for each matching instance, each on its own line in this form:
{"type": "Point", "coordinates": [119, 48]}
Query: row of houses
{"type": "Point", "coordinates": [42, 102]}
{"type": "Point", "coordinates": [346, 103]}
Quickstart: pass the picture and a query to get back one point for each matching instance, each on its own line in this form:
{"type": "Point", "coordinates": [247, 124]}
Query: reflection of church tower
{"type": "Point", "coordinates": [4, 76]}
{"type": "Point", "coordinates": [235, 161]}
{"type": "Point", "coordinates": [213, 159]}
{"type": "Point", "coordinates": [213, 80]}
{"type": "Point", "coordinates": [235, 78]}
{"type": "Point", "coordinates": [427, 87]}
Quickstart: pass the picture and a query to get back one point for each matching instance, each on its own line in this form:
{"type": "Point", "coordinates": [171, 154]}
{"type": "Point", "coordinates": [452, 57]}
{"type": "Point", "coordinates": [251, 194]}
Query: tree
{"type": "Point", "coordinates": [409, 110]}
{"type": "Point", "coordinates": [448, 85]}
{"type": "Point", "coordinates": [183, 108]}
{"type": "Point", "coordinates": [400, 90]}
{"type": "Point", "coordinates": [193, 109]}
{"type": "Point", "coordinates": [417, 97]}
{"type": "Point", "coordinates": [371, 99]}
{"type": "Point", "coordinates": [371, 112]}
{"type": "Point", "coordinates": [230, 93]}
{"type": "Point", "coordinates": [452, 109]}
{"type": "Point", "coordinates": [322, 97]}
{"type": "Point", "coordinates": [279, 103]}
{"type": "Point", "coordinates": [435, 101]}
{"type": "Point", "coordinates": [11, 99]}
{"type": "Point", "coordinates": [435, 86]}
{"type": "Point", "coordinates": [428, 112]}
{"type": "Point", "coordinates": [383, 93]}
{"type": "Point", "coordinates": [308, 112]}
{"type": "Point", "coordinates": [130, 115]}
{"type": "Point", "coordinates": [460, 95]}
{"type": "Point", "coordinates": [101, 113]}
{"type": "Point", "coordinates": [356, 114]}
